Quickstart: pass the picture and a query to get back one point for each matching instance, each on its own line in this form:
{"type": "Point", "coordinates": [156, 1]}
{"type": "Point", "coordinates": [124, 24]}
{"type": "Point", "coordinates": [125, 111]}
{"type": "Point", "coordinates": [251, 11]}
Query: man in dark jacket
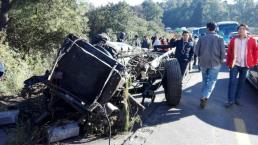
{"type": "Point", "coordinates": [184, 50]}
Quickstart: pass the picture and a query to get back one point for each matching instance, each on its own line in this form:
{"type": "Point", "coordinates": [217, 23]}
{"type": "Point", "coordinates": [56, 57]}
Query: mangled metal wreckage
{"type": "Point", "coordinates": [98, 80]}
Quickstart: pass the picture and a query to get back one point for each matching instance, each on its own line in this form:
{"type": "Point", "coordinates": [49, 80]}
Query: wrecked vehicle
{"type": "Point", "coordinates": [148, 70]}
{"type": "Point", "coordinates": [99, 81]}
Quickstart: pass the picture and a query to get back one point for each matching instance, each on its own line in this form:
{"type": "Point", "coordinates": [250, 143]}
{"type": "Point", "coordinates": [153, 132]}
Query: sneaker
{"type": "Point", "coordinates": [229, 104]}
{"type": "Point", "coordinates": [203, 102]}
{"type": "Point", "coordinates": [237, 102]}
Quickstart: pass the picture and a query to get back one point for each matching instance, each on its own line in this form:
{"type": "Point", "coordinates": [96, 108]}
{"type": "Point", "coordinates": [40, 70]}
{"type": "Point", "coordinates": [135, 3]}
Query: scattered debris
{"type": "Point", "coordinates": [64, 131]}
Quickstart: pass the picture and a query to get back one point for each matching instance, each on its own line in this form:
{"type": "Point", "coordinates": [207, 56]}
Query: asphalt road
{"type": "Point", "coordinates": [187, 124]}
{"type": "Point", "coordinates": [215, 125]}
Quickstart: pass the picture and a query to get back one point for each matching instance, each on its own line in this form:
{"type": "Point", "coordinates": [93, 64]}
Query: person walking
{"type": "Point", "coordinates": [211, 52]}
{"type": "Point", "coordinates": [242, 55]}
{"type": "Point", "coordinates": [196, 59]}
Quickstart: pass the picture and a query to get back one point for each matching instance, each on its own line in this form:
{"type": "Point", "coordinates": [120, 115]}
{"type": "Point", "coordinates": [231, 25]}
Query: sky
{"type": "Point", "coordinates": [98, 3]}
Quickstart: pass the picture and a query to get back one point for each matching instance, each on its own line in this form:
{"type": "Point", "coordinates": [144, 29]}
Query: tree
{"type": "Point", "coordinates": [112, 18]}
{"type": "Point", "coordinates": [214, 10]}
{"type": "Point", "coordinates": [197, 14]}
{"type": "Point", "coordinates": [178, 13]}
{"type": "Point", "coordinates": [42, 25]}
{"type": "Point", "coordinates": [246, 11]}
{"type": "Point", "coordinates": [152, 11]}
{"type": "Point", "coordinates": [115, 18]}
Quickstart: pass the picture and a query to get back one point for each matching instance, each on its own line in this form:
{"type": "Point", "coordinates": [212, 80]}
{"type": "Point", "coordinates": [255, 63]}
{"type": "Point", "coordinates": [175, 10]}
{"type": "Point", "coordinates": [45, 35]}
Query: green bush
{"type": "Point", "coordinates": [19, 68]}
{"type": "Point", "coordinates": [42, 25]}
{"type": "Point", "coordinates": [16, 71]}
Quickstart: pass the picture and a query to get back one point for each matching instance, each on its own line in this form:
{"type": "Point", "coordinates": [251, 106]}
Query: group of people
{"type": "Point", "coordinates": [242, 54]}
{"type": "Point", "coordinates": [150, 42]}
{"type": "Point", "coordinates": [184, 46]}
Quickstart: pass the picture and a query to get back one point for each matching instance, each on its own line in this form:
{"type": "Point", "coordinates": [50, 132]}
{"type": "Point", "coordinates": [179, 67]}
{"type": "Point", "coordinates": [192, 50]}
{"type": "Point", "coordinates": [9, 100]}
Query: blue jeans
{"type": "Point", "coordinates": [209, 79]}
{"type": "Point", "coordinates": [236, 84]}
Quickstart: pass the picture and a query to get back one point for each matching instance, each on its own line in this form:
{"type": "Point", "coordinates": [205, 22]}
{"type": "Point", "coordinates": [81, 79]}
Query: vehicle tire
{"type": "Point", "coordinates": [172, 82]}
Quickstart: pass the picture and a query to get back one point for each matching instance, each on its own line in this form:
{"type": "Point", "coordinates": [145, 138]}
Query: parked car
{"type": "Point", "coordinates": [225, 28]}
{"type": "Point", "coordinates": [233, 34]}
{"type": "Point", "coordinates": [201, 31]}
{"type": "Point", "coordinates": [253, 76]}
{"type": "Point", "coordinates": [253, 72]}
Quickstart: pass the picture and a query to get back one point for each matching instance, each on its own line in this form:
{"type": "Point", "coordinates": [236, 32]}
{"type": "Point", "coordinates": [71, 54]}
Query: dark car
{"type": "Point", "coordinates": [253, 73]}
{"type": "Point", "coordinates": [253, 76]}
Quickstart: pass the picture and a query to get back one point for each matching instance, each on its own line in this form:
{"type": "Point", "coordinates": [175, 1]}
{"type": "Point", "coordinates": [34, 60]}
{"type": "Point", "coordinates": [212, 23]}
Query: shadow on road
{"type": "Point", "coordinates": [215, 113]}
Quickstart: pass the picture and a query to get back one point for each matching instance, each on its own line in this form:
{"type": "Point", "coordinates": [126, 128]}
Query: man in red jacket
{"type": "Point", "coordinates": [242, 55]}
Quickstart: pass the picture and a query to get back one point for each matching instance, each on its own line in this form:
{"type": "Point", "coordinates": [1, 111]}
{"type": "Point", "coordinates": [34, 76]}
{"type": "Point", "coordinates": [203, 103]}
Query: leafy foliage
{"type": "Point", "coordinates": [41, 25]}
{"type": "Point", "coordinates": [110, 19]}
{"type": "Point", "coordinates": [18, 69]}
{"type": "Point", "coordinates": [152, 11]}
{"type": "Point", "coordinates": [115, 18]}
{"type": "Point", "coordinates": [179, 13]}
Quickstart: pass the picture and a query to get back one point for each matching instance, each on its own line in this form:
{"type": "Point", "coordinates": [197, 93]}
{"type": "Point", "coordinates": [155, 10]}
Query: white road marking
{"type": "Point", "coordinates": [241, 135]}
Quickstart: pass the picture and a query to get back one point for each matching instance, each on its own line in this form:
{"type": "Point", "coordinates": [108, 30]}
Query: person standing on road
{"type": "Point", "coordinates": [146, 42]}
{"type": "Point", "coordinates": [121, 37]}
{"type": "Point", "coordinates": [196, 59]}
{"type": "Point", "coordinates": [242, 55]}
{"type": "Point", "coordinates": [136, 41]}
{"type": "Point", "coordinates": [211, 52]}
{"type": "Point", "coordinates": [184, 50]}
